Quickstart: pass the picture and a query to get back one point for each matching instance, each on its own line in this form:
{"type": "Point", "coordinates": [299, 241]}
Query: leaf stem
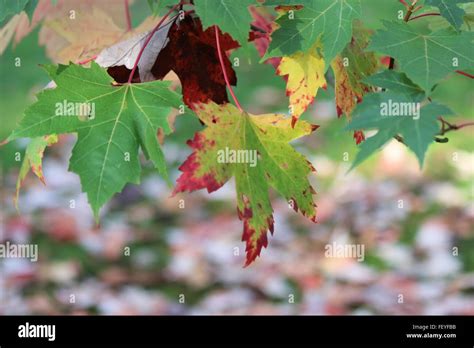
{"type": "Point", "coordinates": [411, 9]}
{"type": "Point", "coordinates": [149, 39]}
{"type": "Point", "coordinates": [127, 15]}
{"type": "Point", "coordinates": [221, 60]}
{"type": "Point", "coordinates": [465, 74]}
{"type": "Point", "coordinates": [425, 15]}
{"type": "Point", "coordinates": [88, 60]}
{"type": "Point", "coordinates": [404, 3]}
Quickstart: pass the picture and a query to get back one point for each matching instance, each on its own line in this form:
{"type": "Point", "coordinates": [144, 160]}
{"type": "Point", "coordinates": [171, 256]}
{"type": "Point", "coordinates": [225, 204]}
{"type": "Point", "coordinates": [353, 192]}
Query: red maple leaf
{"type": "Point", "coordinates": [192, 54]}
{"type": "Point", "coordinates": [263, 22]}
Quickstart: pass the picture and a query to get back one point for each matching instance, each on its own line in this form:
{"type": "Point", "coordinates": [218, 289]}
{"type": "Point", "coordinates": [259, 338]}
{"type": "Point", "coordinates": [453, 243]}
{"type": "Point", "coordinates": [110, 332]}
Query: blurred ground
{"type": "Point", "coordinates": [416, 225]}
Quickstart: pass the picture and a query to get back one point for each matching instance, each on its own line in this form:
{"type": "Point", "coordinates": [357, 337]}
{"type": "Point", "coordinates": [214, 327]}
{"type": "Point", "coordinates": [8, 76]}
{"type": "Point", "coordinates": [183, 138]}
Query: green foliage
{"type": "Point", "coordinates": [231, 16]}
{"type": "Point", "coordinates": [450, 10]}
{"type": "Point", "coordinates": [397, 82]}
{"type": "Point", "coordinates": [425, 58]}
{"type": "Point", "coordinates": [114, 119]}
{"type": "Point", "coordinates": [275, 164]}
{"type": "Point", "coordinates": [418, 131]}
{"type": "Point", "coordinates": [120, 119]}
{"type": "Point", "coordinates": [11, 7]}
{"type": "Point", "coordinates": [329, 21]}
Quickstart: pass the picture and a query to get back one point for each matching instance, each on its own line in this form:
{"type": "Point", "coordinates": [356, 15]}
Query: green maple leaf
{"type": "Point", "coordinates": [161, 6]}
{"type": "Point", "coordinates": [450, 10]}
{"type": "Point", "coordinates": [275, 164]}
{"type": "Point", "coordinates": [230, 16]}
{"type": "Point", "coordinates": [425, 58]}
{"type": "Point", "coordinates": [396, 82]}
{"type": "Point", "coordinates": [327, 20]}
{"type": "Point", "coordinates": [12, 7]}
{"type": "Point", "coordinates": [418, 132]}
{"type": "Point", "coordinates": [111, 122]}
{"type": "Point", "coordinates": [439, 22]}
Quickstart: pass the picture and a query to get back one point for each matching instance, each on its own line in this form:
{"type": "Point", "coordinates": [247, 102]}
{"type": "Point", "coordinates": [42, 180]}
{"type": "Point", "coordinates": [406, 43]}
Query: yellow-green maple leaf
{"type": "Point", "coordinates": [33, 159]}
{"type": "Point", "coordinates": [350, 69]}
{"type": "Point", "coordinates": [263, 138]}
{"type": "Point", "coordinates": [305, 73]}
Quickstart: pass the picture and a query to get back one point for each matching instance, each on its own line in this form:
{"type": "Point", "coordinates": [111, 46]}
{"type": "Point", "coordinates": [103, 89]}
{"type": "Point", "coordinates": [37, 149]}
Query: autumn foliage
{"type": "Point", "coordinates": [124, 80]}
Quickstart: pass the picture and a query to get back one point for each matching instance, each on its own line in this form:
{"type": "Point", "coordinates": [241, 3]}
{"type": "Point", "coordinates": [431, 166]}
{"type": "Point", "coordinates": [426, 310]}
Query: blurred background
{"type": "Point", "coordinates": [151, 255]}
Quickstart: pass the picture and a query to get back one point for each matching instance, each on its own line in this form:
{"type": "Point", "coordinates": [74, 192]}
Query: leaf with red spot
{"type": "Point", "coordinates": [255, 150]}
{"type": "Point", "coordinates": [33, 160]}
{"type": "Point", "coordinates": [263, 25]}
{"type": "Point", "coordinates": [350, 68]}
{"type": "Point", "coordinates": [305, 72]}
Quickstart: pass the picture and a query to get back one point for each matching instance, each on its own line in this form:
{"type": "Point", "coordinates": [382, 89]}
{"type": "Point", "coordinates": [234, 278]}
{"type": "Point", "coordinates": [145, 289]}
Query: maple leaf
{"type": "Point", "coordinates": [418, 131]}
{"type": "Point", "coordinates": [230, 16]}
{"type": "Point", "coordinates": [33, 159]}
{"type": "Point", "coordinates": [425, 58]}
{"type": "Point", "coordinates": [276, 164]}
{"type": "Point", "coordinates": [192, 54]}
{"type": "Point", "coordinates": [396, 82]}
{"type": "Point", "coordinates": [63, 35]}
{"type": "Point", "coordinates": [20, 25]}
{"type": "Point", "coordinates": [350, 67]}
{"type": "Point", "coordinates": [305, 73]}
{"type": "Point", "coordinates": [11, 7]}
{"type": "Point", "coordinates": [450, 10]}
{"type": "Point", "coordinates": [329, 21]}
{"type": "Point", "coordinates": [65, 42]}
{"type": "Point", "coordinates": [8, 31]}
{"type": "Point", "coordinates": [111, 123]}
{"type": "Point", "coordinates": [263, 20]}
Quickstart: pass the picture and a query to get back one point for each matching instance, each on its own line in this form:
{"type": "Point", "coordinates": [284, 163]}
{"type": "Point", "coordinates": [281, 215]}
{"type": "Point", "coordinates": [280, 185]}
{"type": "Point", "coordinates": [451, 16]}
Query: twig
{"type": "Point", "coordinates": [410, 10]}
{"type": "Point", "coordinates": [425, 15]}
{"type": "Point", "coordinates": [221, 59]}
{"type": "Point", "coordinates": [149, 39]}
{"type": "Point", "coordinates": [447, 126]}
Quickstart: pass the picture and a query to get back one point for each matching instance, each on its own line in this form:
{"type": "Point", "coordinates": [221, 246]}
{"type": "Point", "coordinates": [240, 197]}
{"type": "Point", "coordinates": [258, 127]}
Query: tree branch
{"type": "Point", "coordinates": [448, 127]}
{"type": "Point", "coordinates": [425, 15]}
{"type": "Point", "coordinates": [410, 10]}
